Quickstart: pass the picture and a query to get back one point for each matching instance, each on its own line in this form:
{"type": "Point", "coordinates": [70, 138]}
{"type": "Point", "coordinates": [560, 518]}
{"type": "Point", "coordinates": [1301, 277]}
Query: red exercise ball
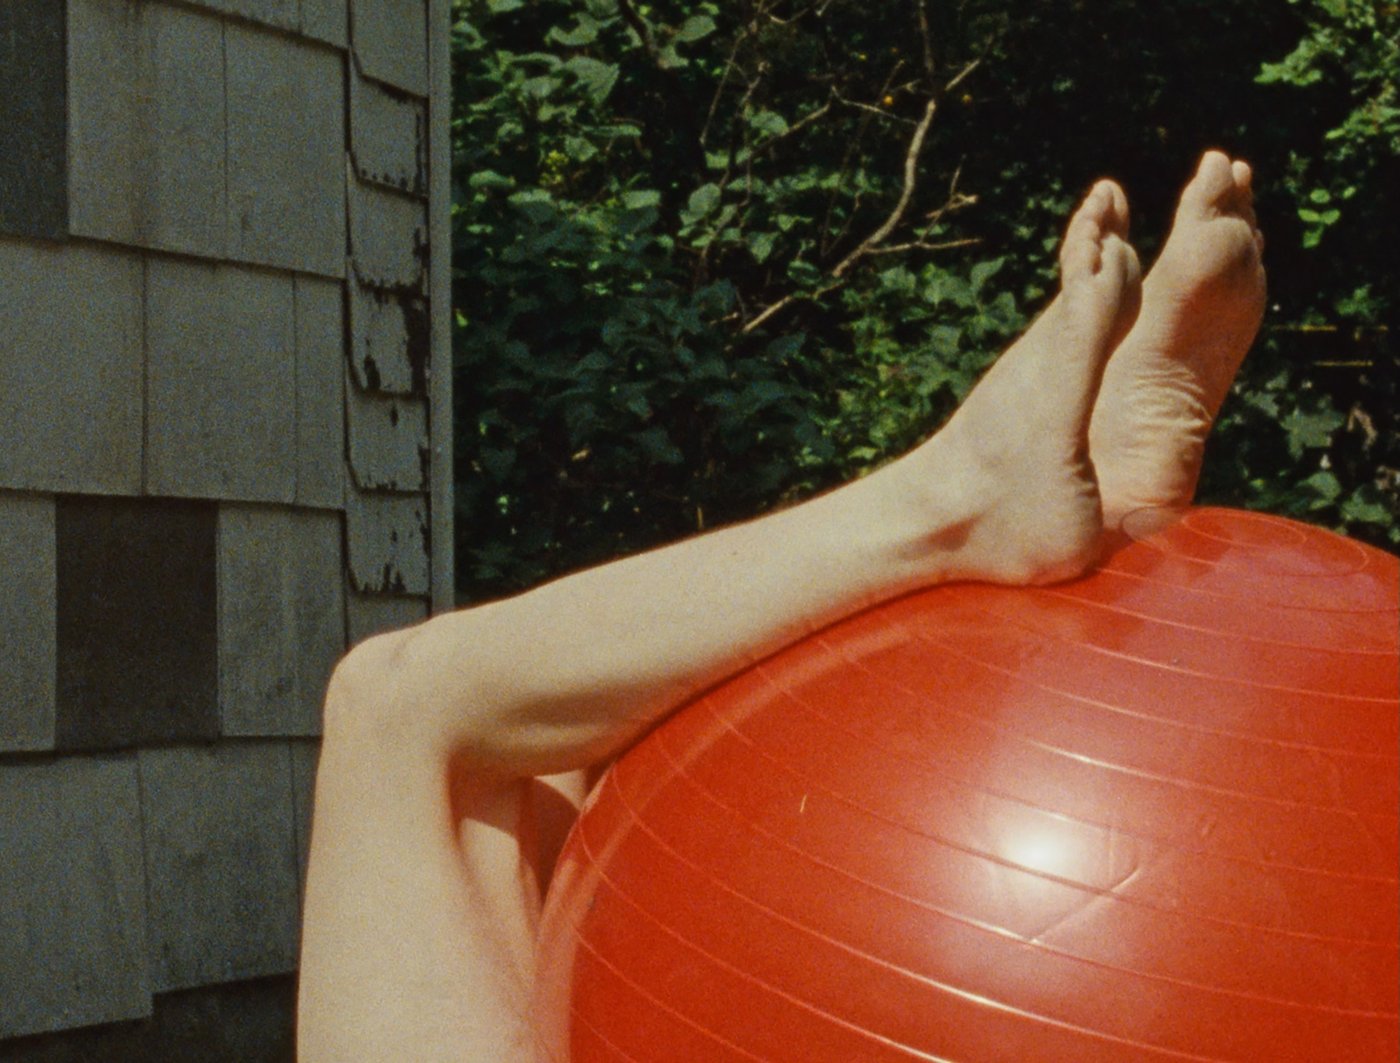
{"type": "Point", "coordinates": [1147, 815]}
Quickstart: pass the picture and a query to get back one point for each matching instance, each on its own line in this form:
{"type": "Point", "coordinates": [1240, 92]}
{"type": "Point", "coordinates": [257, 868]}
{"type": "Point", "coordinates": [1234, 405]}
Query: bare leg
{"type": "Point", "coordinates": [1201, 307]}
{"type": "Point", "coordinates": [423, 892]}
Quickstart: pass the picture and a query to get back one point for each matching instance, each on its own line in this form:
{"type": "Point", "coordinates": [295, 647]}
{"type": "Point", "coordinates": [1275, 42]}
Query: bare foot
{"type": "Point", "coordinates": [1020, 441]}
{"type": "Point", "coordinates": [1201, 307]}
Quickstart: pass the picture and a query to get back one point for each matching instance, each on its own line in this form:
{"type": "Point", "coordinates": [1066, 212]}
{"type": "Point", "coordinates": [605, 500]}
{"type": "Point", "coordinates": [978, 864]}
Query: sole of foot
{"type": "Point", "coordinates": [1017, 449]}
{"type": "Point", "coordinates": [1202, 303]}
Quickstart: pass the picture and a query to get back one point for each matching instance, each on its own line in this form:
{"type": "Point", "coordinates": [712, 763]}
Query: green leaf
{"type": "Point", "coordinates": [500, 7]}
{"type": "Point", "coordinates": [579, 149]}
{"type": "Point", "coordinates": [490, 179]}
{"type": "Point", "coordinates": [761, 245]}
{"type": "Point", "coordinates": [657, 446]}
{"type": "Point", "coordinates": [984, 271]}
{"type": "Point", "coordinates": [695, 28]}
{"type": "Point", "coordinates": [701, 203]}
{"type": "Point", "coordinates": [770, 122]}
{"type": "Point", "coordinates": [539, 87]}
{"type": "Point", "coordinates": [1311, 430]}
{"type": "Point", "coordinates": [1363, 511]}
{"type": "Point", "coordinates": [1325, 485]}
{"type": "Point", "coordinates": [641, 199]}
{"type": "Point", "coordinates": [596, 77]}
{"type": "Point", "coordinates": [585, 31]}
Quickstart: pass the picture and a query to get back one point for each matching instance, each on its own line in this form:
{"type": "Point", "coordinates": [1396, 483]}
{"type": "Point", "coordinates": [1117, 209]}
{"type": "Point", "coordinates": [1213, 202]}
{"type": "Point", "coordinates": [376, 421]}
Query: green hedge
{"type": "Point", "coordinates": [694, 277]}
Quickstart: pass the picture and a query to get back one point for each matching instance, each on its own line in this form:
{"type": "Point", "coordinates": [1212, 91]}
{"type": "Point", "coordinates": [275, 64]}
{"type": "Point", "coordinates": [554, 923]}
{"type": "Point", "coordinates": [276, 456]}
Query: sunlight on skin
{"type": "Point", "coordinates": [1202, 304]}
{"type": "Point", "coordinates": [424, 885]}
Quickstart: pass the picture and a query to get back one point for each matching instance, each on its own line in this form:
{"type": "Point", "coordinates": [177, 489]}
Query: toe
{"type": "Point", "coordinates": [1116, 219]}
{"type": "Point", "coordinates": [1079, 252]}
{"type": "Point", "coordinates": [1213, 187]}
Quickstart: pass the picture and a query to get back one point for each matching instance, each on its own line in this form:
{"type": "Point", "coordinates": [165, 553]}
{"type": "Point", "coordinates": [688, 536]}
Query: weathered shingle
{"type": "Point", "coordinates": [326, 20]}
{"type": "Point", "coordinates": [281, 617]}
{"type": "Point", "coordinates": [33, 119]}
{"type": "Point", "coordinates": [221, 352]}
{"type": "Point", "coordinates": [72, 922]}
{"type": "Point", "coordinates": [390, 41]}
{"type": "Point", "coordinates": [284, 14]}
{"type": "Point", "coordinates": [387, 537]}
{"type": "Point", "coordinates": [238, 1022]}
{"type": "Point", "coordinates": [370, 614]}
{"type": "Point", "coordinates": [388, 237]}
{"type": "Point", "coordinates": [390, 336]}
{"type": "Point", "coordinates": [305, 754]}
{"type": "Point", "coordinates": [70, 375]}
{"type": "Point", "coordinates": [146, 125]}
{"type": "Point", "coordinates": [286, 152]}
{"type": "Point", "coordinates": [388, 136]}
{"type": "Point", "coordinates": [221, 859]}
{"type": "Point", "coordinates": [320, 372]}
{"type": "Point", "coordinates": [388, 441]}
{"type": "Point", "coordinates": [137, 657]}
{"type": "Point", "coordinates": [28, 628]}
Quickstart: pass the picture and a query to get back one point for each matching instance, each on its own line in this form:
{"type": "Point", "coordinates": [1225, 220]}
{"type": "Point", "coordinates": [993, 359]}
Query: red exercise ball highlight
{"type": "Point", "coordinates": [1147, 815]}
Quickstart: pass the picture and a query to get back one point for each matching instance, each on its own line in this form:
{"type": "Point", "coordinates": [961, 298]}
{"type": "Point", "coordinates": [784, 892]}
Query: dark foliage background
{"type": "Point", "coordinates": [713, 257]}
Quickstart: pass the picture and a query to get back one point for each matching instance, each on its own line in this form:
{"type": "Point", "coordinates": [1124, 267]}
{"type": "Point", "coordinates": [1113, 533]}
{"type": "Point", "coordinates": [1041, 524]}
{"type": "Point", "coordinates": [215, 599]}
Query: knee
{"type": "Point", "coordinates": [366, 690]}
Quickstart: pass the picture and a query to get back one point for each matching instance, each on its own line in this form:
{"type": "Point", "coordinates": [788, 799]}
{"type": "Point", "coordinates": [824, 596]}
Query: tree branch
{"type": "Point", "coordinates": [640, 27]}
{"type": "Point", "coordinates": [922, 245]}
{"type": "Point", "coordinates": [962, 74]}
{"type": "Point", "coordinates": [911, 178]}
{"type": "Point", "coordinates": [930, 66]}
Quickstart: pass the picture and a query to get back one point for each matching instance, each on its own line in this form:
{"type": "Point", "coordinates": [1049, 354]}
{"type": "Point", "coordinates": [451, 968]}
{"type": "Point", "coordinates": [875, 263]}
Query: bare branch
{"type": "Point", "coordinates": [870, 108]}
{"type": "Point", "coordinates": [920, 245]}
{"type": "Point", "coordinates": [640, 27]}
{"type": "Point", "coordinates": [961, 75]}
{"type": "Point", "coordinates": [930, 66]}
{"type": "Point", "coordinates": [785, 302]}
{"type": "Point", "coordinates": [853, 148]}
{"type": "Point", "coordinates": [801, 123]}
{"type": "Point", "coordinates": [911, 179]}
{"type": "Point", "coordinates": [731, 64]}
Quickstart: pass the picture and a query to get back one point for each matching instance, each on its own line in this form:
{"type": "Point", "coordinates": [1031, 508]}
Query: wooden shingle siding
{"type": "Point", "coordinates": [224, 457]}
{"type": "Point", "coordinates": [238, 1022]}
{"type": "Point", "coordinates": [388, 543]}
{"type": "Point", "coordinates": [388, 238]}
{"type": "Point", "coordinates": [390, 42]}
{"type": "Point", "coordinates": [369, 614]}
{"type": "Point", "coordinates": [388, 441]}
{"type": "Point", "coordinates": [73, 921]}
{"type": "Point", "coordinates": [286, 152]}
{"type": "Point", "coordinates": [326, 20]}
{"type": "Point", "coordinates": [387, 140]}
{"type": "Point", "coordinates": [33, 119]}
{"type": "Point", "coordinates": [28, 626]}
{"type": "Point", "coordinates": [221, 350]}
{"type": "Point", "coordinates": [137, 627]}
{"type": "Point", "coordinates": [71, 371]}
{"type": "Point", "coordinates": [389, 340]}
{"type": "Point", "coordinates": [320, 393]}
{"type": "Point", "coordinates": [220, 862]}
{"type": "Point", "coordinates": [281, 617]}
{"type": "Point", "coordinates": [318, 20]}
{"type": "Point", "coordinates": [284, 14]}
{"type": "Point", "coordinates": [147, 138]}
{"type": "Point", "coordinates": [304, 757]}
